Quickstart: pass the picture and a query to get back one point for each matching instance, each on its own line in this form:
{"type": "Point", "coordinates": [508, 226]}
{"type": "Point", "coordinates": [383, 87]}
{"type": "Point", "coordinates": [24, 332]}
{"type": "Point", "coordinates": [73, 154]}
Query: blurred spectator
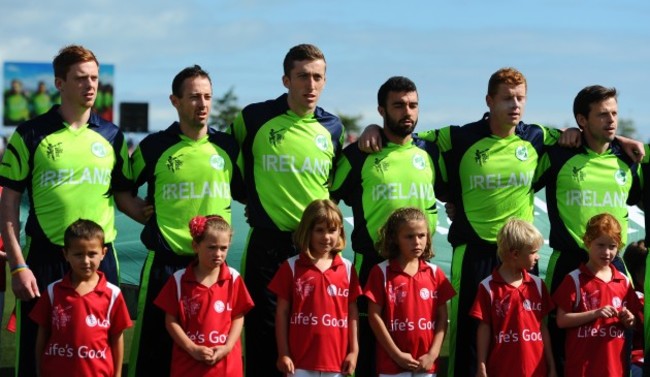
{"type": "Point", "coordinates": [41, 100]}
{"type": "Point", "coordinates": [16, 104]}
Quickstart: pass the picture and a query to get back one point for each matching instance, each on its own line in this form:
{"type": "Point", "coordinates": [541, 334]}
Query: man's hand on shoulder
{"type": "Point", "coordinates": [370, 139]}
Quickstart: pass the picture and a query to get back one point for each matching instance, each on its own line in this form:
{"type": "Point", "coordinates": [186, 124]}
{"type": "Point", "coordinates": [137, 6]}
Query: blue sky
{"type": "Point", "coordinates": [449, 48]}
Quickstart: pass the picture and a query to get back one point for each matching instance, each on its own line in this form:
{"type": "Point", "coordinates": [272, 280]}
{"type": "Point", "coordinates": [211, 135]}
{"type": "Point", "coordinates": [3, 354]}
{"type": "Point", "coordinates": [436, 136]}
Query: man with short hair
{"type": "Point", "coordinates": [73, 164]}
{"type": "Point", "coordinates": [581, 183]}
{"type": "Point", "coordinates": [403, 174]}
{"type": "Point", "coordinates": [490, 165]}
{"type": "Point", "coordinates": [289, 146]}
{"type": "Point", "coordinates": [190, 169]}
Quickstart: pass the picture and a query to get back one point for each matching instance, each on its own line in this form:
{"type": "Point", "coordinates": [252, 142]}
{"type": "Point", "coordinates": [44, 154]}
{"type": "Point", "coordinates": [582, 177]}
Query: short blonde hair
{"type": "Point", "coordinates": [320, 210]}
{"type": "Point", "coordinates": [517, 234]}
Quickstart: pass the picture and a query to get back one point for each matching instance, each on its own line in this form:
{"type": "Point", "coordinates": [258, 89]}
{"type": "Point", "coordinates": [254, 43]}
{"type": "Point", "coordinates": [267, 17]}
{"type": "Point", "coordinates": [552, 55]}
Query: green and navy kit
{"type": "Point", "coordinates": [490, 177]}
{"type": "Point", "coordinates": [287, 160]}
{"type": "Point", "coordinates": [185, 178]}
{"type": "Point", "coordinates": [375, 185]}
{"type": "Point", "coordinates": [68, 173]}
{"type": "Point", "coordinates": [580, 184]}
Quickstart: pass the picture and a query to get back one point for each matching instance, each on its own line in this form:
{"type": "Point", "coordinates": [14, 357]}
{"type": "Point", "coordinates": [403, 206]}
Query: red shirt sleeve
{"type": "Point", "coordinates": [374, 289]}
{"type": "Point", "coordinates": [547, 302]}
{"type": "Point", "coordinates": [120, 318]}
{"type": "Point", "coordinates": [565, 295]}
{"type": "Point", "coordinates": [242, 301]}
{"type": "Point", "coordinates": [42, 311]}
{"type": "Point", "coordinates": [445, 290]}
{"type": "Point", "coordinates": [355, 287]}
{"type": "Point", "coordinates": [482, 306]}
{"type": "Point", "coordinates": [633, 303]}
{"type": "Point", "coordinates": [167, 299]}
{"type": "Point", "coordinates": [282, 282]}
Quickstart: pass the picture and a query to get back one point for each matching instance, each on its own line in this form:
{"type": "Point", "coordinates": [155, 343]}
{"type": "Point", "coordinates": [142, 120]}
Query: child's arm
{"type": "Point", "coordinates": [200, 353]}
{"type": "Point", "coordinates": [117, 348]}
{"type": "Point", "coordinates": [548, 352]}
{"type": "Point", "coordinates": [284, 363]}
{"type": "Point", "coordinates": [233, 336]}
{"type": "Point", "coordinates": [483, 335]}
{"type": "Point", "coordinates": [566, 320]}
{"type": "Point", "coordinates": [427, 360]}
{"type": "Point", "coordinates": [41, 339]}
{"type": "Point", "coordinates": [350, 362]}
{"type": "Point", "coordinates": [403, 359]}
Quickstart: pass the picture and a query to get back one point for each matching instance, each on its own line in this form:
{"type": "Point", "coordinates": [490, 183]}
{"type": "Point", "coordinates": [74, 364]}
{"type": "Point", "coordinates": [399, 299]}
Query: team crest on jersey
{"type": "Point", "coordinates": [174, 163]}
{"type": "Point", "coordinates": [217, 162]}
{"type": "Point", "coordinates": [276, 136]}
{"type": "Point", "coordinates": [54, 151]}
{"type": "Point", "coordinates": [591, 300]}
{"type": "Point", "coordinates": [419, 162]}
{"type": "Point", "coordinates": [380, 165]}
{"type": "Point", "coordinates": [219, 306]}
{"type": "Point", "coordinates": [620, 177]}
{"type": "Point", "coordinates": [577, 174]}
{"type": "Point", "coordinates": [617, 303]}
{"type": "Point", "coordinates": [321, 142]}
{"type": "Point", "coordinates": [481, 157]}
{"type": "Point", "coordinates": [98, 149]}
{"type": "Point", "coordinates": [396, 294]}
{"type": "Point", "coordinates": [191, 305]}
{"type": "Point", "coordinates": [60, 317]}
{"type": "Point", "coordinates": [521, 153]}
{"type": "Point", "coordinates": [304, 288]}
{"type": "Point", "coordinates": [502, 306]}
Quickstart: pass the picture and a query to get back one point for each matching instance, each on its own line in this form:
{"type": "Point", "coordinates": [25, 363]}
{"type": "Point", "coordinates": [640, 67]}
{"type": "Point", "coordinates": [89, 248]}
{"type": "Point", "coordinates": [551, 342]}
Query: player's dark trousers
{"type": "Point", "coordinates": [367, 361]}
{"type": "Point", "coordinates": [151, 349]}
{"type": "Point", "coordinates": [470, 264]}
{"type": "Point", "coordinates": [265, 252]}
{"type": "Point", "coordinates": [47, 265]}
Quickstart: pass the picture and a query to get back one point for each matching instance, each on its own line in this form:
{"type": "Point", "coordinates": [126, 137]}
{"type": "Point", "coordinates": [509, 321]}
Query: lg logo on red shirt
{"type": "Point", "coordinates": [532, 306]}
{"type": "Point", "coordinates": [219, 306]}
{"type": "Point", "coordinates": [335, 291]}
{"type": "Point", "coordinates": [93, 321]}
{"type": "Point", "coordinates": [426, 294]}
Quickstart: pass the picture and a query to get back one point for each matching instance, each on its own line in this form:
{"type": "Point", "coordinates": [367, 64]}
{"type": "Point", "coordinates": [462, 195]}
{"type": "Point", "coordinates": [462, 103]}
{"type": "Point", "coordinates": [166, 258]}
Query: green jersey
{"type": "Point", "coordinates": [490, 177]}
{"type": "Point", "coordinates": [185, 178]}
{"type": "Point", "coordinates": [580, 184]}
{"type": "Point", "coordinates": [41, 103]}
{"type": "Point", "coordinates": [16, 108]}
{"type": "Point", "coordinates": [68, 173]}
{"type": "Point", "coordinates": [376, 185]}
{"type": "Point", "coordinates": [287, 160]}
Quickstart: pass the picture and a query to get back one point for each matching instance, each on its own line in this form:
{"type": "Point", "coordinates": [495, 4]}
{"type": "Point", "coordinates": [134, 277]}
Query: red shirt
{"type": "Point", "coordinates": [80, 327]}
{"type": "Point", "coordinates": [205, 314]}
{"type": "Point", "coordinates": [318, 323]}
{"type": "Point", "coordinates": [410, 305]}
{"type": "Point", "coordinates": [515, 317]}
{"type": "Point", "coordinates": [595, 348]}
